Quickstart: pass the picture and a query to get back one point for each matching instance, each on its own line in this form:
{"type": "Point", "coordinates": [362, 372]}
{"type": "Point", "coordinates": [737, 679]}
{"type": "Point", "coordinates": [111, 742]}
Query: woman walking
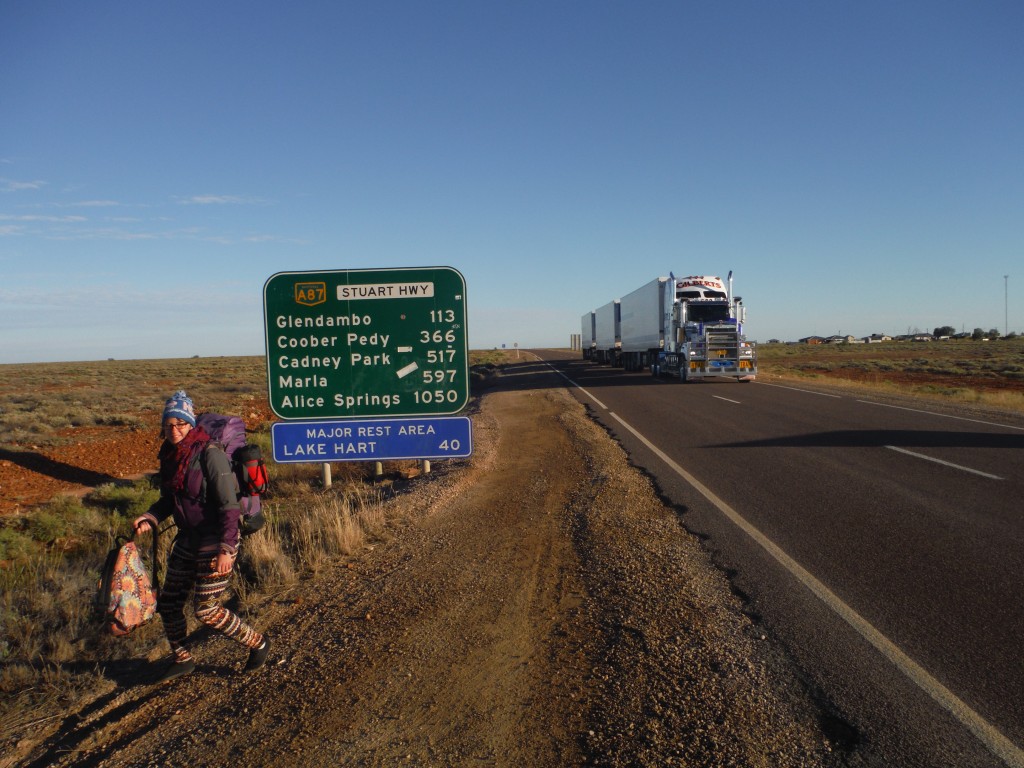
{"type": "Point", "coordinates": [199, 489]}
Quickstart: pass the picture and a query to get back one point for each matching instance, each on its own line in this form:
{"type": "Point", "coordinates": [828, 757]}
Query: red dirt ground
{"type": "Point", "coordinates": [94, 456]}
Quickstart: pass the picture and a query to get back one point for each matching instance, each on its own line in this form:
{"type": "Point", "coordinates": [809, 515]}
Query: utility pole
{"type": "Point", "coordinates": [1006, 305]}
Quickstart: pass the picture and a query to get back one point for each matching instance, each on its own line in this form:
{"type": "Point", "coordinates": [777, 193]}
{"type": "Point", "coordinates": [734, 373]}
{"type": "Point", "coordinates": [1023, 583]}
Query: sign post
{"type": "Point", "coordinates": [366, 343]}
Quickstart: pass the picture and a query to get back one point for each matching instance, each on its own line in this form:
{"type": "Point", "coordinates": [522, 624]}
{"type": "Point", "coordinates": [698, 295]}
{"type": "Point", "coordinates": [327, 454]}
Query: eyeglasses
{"type": "Point", "coordinates": [179, 425]}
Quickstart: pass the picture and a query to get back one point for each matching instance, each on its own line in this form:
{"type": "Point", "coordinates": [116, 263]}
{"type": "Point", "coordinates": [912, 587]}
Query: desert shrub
{"type": "Point", "coordinates": [25, 401]}
{"type": "Point", "coordinates": [490, 357]}
{"type": "Point", "coordinates": [46, 527]}
{"type": "Point", "coordinates": [15, 545]}
{"type": "Point", "coordinates": [68, 518]}
{"type": "Point", "coordinates": [20, 427]}
{"type": "Point", "coordinates": [79, 416]}
{"type": "Point", "coordinates": [942, 391]}
{"type": "Point", "coordinates": [129, 501]}
{"type": "Point", "coordinates": [120, 420]}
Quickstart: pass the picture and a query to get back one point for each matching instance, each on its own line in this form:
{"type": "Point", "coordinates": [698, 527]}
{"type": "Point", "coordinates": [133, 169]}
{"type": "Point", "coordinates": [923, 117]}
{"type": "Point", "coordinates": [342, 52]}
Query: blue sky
{"type": "Point", "coordinates": [859, 166]}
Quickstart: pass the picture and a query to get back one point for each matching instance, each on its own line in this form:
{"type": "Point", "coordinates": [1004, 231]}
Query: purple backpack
{"type": "Point", "coordinates": [246, 460]}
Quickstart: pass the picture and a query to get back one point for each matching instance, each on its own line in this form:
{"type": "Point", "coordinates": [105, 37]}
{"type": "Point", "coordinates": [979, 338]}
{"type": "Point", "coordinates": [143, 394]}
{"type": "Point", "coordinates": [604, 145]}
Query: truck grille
{"type": "Point", "coordinates": [722, 346]}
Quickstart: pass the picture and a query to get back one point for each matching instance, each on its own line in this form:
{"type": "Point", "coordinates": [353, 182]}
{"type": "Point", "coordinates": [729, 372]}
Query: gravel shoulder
{"type": "Point", "coordinates": [537, 605]}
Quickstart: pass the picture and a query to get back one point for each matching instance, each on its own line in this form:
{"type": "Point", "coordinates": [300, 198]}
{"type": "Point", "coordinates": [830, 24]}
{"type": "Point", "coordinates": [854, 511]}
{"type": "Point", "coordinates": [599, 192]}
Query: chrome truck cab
{"type": "Point", "coordinates": [708, 340]}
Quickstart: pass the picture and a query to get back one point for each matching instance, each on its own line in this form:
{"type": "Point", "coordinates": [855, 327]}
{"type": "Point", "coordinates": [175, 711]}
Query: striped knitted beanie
{"type": "Point", "coordinates": [180, 406]}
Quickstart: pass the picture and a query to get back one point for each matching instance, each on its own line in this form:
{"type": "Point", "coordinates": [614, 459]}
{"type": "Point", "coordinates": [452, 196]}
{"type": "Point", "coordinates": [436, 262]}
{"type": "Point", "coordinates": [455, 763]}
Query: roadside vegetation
{"type": "Point", "coordinates": [52, 647]}
{"type": "Point", "coordinates": [969, 371]}
{"type": "Point", "coordinates": [53, 650]}
{"type": "Point", "coordinates": [42, 403]}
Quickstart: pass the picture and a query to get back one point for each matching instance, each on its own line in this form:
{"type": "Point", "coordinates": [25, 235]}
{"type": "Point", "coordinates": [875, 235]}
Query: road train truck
{"type": "Point", "coordinates": [688, 327]}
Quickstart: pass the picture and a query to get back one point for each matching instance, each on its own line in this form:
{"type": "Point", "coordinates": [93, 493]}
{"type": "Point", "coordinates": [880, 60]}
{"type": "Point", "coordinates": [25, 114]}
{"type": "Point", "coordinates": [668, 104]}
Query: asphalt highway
{"type": "Point", "coordinates": [879, 544]}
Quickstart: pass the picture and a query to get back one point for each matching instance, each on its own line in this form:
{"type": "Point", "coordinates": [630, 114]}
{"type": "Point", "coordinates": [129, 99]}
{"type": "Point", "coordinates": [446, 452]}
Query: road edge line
{"type": "Point", "coordinates": [984, 731]}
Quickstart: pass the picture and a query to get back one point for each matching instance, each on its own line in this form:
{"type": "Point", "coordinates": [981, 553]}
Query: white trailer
{"type": "Point", "coordinates": [643, 320]}
{"type": "Point", "coordinates": [607, 333]}
{"type": "Point", "coordinates": [588, 334]}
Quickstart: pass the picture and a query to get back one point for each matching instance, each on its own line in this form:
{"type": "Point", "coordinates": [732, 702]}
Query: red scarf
{"type": "Point", "coordinates": [176, 459]}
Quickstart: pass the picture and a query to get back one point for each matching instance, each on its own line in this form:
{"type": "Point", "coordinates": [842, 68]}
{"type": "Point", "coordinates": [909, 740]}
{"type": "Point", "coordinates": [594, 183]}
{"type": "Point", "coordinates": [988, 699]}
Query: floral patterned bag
{"type": "Point", "coordinates": [127, 595]}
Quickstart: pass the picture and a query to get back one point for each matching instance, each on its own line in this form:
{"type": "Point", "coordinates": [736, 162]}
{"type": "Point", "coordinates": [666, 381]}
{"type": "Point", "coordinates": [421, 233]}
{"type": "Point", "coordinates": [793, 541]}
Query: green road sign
{"type": "Point", "coordinates": [366, 343]}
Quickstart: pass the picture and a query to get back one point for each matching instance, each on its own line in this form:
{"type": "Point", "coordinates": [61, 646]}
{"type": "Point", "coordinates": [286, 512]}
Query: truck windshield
{"type": "Point", "coordinates": [706, 313]}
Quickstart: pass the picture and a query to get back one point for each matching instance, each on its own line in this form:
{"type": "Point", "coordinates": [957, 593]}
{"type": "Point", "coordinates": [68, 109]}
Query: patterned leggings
{"type": "Point", "coordinates": [187, 572]}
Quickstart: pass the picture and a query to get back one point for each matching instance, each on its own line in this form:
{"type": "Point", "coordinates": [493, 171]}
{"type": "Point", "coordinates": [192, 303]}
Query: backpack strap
{"type": "Point", "coordinates": [204, 467]}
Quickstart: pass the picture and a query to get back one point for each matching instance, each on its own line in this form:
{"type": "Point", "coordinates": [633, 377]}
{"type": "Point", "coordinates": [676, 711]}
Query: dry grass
{"type": "Point", "coordinates": [52, 649]}
{"type": "Point", "coordinates": [303, 538]}
{"type": "Point", "coordinates": [989, 374]}
{"type": "Point", "coordinates": [39, 400]}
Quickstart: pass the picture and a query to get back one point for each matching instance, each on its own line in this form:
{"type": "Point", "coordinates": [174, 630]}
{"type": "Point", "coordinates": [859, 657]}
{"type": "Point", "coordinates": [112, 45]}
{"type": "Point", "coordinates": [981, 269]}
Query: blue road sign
{"type": "Point", "coordinates": [323, 442]}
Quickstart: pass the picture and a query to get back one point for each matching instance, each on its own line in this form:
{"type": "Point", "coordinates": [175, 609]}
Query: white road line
{"type": "Point", "coordinates": [797, 389]}
{"type": "Point", "coordinates": [995, 741]}
{"type": "Point", "coordinates": [717, 397]}
{"type": "Point", "coordinates": [944, 463]}
{"type": "Point", "coordinates": [581, 389]}
{"type": "Point", "coordinates": [942, 415]}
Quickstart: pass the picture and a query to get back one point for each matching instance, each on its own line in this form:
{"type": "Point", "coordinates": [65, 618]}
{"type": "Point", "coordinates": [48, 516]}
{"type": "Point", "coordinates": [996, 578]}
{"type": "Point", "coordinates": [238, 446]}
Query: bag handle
{"type": "Point", "coordinates": [106, 576]}
{"type": "Point", "coordinates": [155, 530]}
